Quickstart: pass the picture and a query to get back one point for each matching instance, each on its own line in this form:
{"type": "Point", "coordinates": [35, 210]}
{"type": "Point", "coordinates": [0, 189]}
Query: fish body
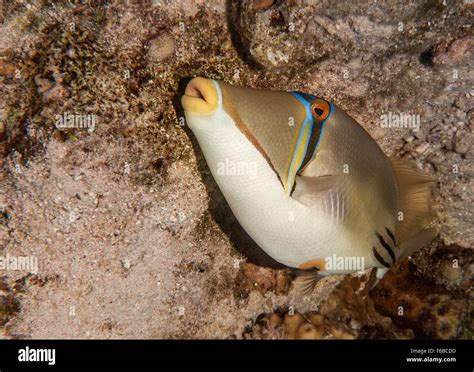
{"type": "Point", "coordinates": [304, 179]}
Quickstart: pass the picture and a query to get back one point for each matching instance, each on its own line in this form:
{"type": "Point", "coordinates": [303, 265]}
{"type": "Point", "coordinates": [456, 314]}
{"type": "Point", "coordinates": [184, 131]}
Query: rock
{"type": "Point", "coordinates": [463, 142]}
{"type": "Point", "coordinates": [263, 279]}
{"type": "Point", "coordinates": [308, 331]}
{"type": "Point", "coordinates": [7, 69]}
{"type": "Point", "coordinates": [315, 318]}
{"type": "Point", "coordinates": [270, 32]}
{"type": "Point", "coordinates": [161, 48]}
{"type": "Point", "coordinates": [267, 326]}
{"type": "Point", "coordinates": [270, 320]}
{"type": "Point", "coordinates": [43, 84]}
{"type": "Point", "coordinates": [453, 52]}
{"type": "Point", "coordinates": [452, 272]}
{"type": "Point", "coordinates": [291, 323]}
{"type": "Point", "coordinates": [348, 313]}
{"type": "Point", "coordinates": [274, 320]}
{"type": "Point", "coordinates": [8, 305]}
{"type": "Point", "coordinates": [259, 5]}
{"type": "Point", "coordinates": [447, 267]}
{"type": "Point", "coordinates": [341, 333]}
{"type": "Point", "coordinates": [422, 149]}
{"type": "Point", "coordinates": [411, 302]}
{"type": "Point", "coordinates": [56, 93]}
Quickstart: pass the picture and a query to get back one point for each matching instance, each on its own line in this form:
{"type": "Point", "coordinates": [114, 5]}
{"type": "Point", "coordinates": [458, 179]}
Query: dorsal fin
{"type": "Point", "coordinates": [414, 190]}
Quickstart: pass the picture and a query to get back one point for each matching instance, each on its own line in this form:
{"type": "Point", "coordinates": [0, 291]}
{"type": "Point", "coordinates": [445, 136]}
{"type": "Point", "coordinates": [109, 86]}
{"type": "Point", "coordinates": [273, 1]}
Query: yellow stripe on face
{"type": "Point", "coordinates": [298, 156]}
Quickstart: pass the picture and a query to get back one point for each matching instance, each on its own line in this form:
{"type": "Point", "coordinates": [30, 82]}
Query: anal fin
{"type": "Point", "coordinates": [306, 281]}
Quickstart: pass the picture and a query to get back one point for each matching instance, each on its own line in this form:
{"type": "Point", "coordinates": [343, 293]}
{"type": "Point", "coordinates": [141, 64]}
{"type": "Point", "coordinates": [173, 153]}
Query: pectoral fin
{"type": "Point", "coordinates": [309, 189]}
{"type": "Point", "coordinates": [327, 193]}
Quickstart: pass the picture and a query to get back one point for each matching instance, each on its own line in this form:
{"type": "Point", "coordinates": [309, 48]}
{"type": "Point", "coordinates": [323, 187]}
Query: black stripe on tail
{"type": "Point", "coordinates": [390, 234]}
{"type": "Point", "coordinates": [379, 257]}
{"type": "Point", "coordinates": [387, 247]}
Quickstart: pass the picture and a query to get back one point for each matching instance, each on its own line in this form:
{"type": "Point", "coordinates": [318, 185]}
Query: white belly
{"type": "Point", "coordinates": [287, 230]}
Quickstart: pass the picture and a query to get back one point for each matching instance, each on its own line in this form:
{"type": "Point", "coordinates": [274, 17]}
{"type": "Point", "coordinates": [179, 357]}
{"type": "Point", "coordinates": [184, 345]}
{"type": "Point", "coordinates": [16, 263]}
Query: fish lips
{"type": "Point", "coordinates": [200, 96]}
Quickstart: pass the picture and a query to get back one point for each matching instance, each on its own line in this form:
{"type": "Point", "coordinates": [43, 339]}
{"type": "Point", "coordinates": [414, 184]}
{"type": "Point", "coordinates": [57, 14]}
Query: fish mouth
{"type": "Point", "coordinates": [200, 96]}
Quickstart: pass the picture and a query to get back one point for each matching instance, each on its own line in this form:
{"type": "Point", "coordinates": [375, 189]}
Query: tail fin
{"type": "Point", "coordinates": [414, 193]}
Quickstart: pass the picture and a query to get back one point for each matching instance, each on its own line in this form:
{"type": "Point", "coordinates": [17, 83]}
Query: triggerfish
{"type": "Point", "coordinates": [306, 181]}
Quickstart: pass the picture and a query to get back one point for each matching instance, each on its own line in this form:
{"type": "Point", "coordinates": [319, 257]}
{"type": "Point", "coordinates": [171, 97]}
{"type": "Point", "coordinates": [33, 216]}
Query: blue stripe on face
{"type": "Point", "coordinates": [308, 119]}
{"type": "Point", "coordinates": [307, 104]}
{"type": "Point", "coordinates": [219, 92]}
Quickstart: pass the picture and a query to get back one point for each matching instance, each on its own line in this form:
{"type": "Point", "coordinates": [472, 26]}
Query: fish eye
{"type": "Point", "coordinates": [320, 109]}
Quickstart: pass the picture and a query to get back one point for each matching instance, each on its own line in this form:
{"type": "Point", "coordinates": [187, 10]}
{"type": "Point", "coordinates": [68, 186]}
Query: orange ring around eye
{"type": "Point", "coordinates": [320, 109]}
